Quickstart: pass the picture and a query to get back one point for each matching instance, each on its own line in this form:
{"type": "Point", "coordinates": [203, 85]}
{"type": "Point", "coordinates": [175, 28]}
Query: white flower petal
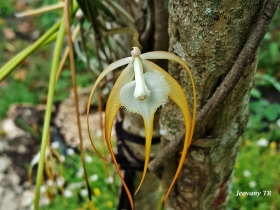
{"type": "Point", "coordinates": [62, 158]}
{"type": "Point", "coordinates": [49, 182]}
{"type": "Point", "coordinates": [44, 201]}
{"type": "Point", "coordinates": [93, 178]}
{"type": "Point", "coordinates": [262, 142]}
{"type": "Point", "coordinates": [246, 173]}
{"type": "Point", "coordinates": [109, 180]}
{"type": "Point", "coordinates": [80, 173]}
{"type": "Point", "coordinates": [43, 189]}
{"type": "Point", "coordinates": [278, 123]}
{"type": "Point", "coordinates": [55, 145]}
{"type": "Point", "coordinates": [70, 151]}
{"type": "Point", "coordinates": [159, 95]}
{"type": "Point", "coordinates": [60, 181]}
{"type": "Point", "coordinates": [88, 159]}
{"type": "Point", "coordinates": [35, 159]}
{"type": "Point", "coordinates": [75, 185]}
{"type": "Point", "coordinates": [252, 184]}
{"type": "Point", "coordinates": [84, 192]}
{"type": "Point", "coordinates": [68, 193]}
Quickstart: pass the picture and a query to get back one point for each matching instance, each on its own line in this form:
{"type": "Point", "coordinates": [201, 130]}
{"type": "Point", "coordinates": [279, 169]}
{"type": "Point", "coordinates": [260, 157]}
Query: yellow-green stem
{"type": "Point", "coordinates": [47, 119]}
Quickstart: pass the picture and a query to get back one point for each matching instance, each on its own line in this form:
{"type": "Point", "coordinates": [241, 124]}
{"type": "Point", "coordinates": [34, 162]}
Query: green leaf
{"type": "Point", "coordinates": [276, 134]}
{"type": "Point", "coordinates": [273, 51]}
{"type": "Point", "coordinates": [258, 106]}
{"type": "Point", "coordinates": [255, 93]}
{"type": "Point", "coordinates": [90, 8]}
{"type": "Point", "coordinates": [272, 81]}
{"type": "Point", "coordinates": [272, 111]}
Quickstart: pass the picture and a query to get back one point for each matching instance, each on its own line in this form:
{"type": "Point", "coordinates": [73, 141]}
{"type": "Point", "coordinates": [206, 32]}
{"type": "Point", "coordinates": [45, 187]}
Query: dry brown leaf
{"type": "Point", "coordinates": [9, 33]}
{"type": "Point", "coordinates": [20, 74]}
{"type": "Point", "coordinates": [19, 5]}
{"type": "Point", "coordinates": [26, 26]}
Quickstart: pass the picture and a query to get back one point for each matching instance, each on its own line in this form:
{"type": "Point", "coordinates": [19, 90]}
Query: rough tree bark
{"type": "Point", "coordinates": [209, 36]}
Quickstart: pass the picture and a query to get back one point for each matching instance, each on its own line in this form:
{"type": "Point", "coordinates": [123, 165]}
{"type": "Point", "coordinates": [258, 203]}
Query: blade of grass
{"type": "Point", "coordinates": [66, 52]}
{"type": "Point", "coordinates": [40, 10]}
{"type": "Point", "coordinates": [51, 39]}
{"type": "Point", "coordinates": [15, 61]}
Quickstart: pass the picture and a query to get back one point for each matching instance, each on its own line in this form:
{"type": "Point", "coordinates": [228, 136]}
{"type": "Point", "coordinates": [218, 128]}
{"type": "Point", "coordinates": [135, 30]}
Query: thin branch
{"type": "Point", "coordinates": [39, 10]}
{"type": "Point", "coordinates": [213, 104]}
{"type": "Point", "coordinates": [74, 84]}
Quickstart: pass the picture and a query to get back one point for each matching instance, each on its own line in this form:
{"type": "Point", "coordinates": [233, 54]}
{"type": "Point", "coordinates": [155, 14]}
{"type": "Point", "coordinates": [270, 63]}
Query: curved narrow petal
{"type": "Point", "coordinates": [171, 56]}
{"type": "Point", "coordinates": [112, 108]}
{"type": "Point", "coordinates": [108, 69]}
{"type": "Point", "coordinates": [148, 124]}
{"type": "Point", "coordinates": [178, 96]}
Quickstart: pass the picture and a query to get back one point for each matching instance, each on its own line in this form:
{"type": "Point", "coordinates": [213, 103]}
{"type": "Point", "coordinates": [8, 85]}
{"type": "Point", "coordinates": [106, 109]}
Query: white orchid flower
{"type": "Point", "coordinates": [149, 90]}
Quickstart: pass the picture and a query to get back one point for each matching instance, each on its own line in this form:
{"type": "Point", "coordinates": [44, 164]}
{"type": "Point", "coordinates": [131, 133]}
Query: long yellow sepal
{"type": "Point", "coordinates": [178, 96]}
{"type": "Point", "coordinates": [172, 57]}
{"type": "Point", "coordinates": [148, 124]}
{"type": "Point", "coordinates": [108, 69]}
{"type": "Point", "coordinates": [112, 108]}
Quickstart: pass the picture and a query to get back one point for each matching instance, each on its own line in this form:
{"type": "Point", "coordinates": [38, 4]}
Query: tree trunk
{"type": "Point", "coordinates": [208, 36]}
{"type": "Point", "coordinates": [215, 39]}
